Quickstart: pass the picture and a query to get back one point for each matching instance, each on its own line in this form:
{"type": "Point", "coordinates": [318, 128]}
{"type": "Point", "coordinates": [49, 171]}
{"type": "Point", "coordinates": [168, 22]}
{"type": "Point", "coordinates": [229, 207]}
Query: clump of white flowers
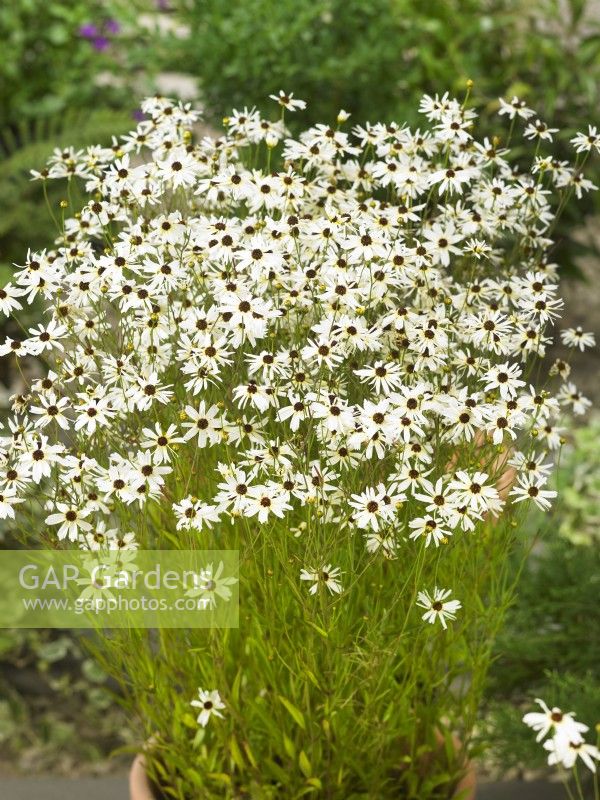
{"type": "Point", "coordinates": [565, 742]}
{"type": "Point", "coordinates": [361, 300]}
{"type": "Point", "coordinates": [339, 334]}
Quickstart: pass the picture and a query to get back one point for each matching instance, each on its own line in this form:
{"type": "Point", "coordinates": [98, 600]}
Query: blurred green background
{"type": "Point", "coordinates": [72, 72]}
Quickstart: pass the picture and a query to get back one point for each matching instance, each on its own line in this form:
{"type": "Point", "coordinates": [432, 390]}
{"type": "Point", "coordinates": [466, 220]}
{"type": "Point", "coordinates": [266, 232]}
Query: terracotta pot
{"type": "Point", "coordinates": [140, 788]}
{"type": "Point", "coordinates": [139, 785]}
{"type": "Point", "coordinates": [466, 788]}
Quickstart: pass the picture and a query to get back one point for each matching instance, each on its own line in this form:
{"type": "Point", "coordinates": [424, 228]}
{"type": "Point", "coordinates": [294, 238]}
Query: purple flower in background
{"type": "Point", "coordinates": [88, 30]}
{"type": "Point", "coordinates": [139, 115]}
{"type": "Point", "coordinates": [99, 36]}
{"type": "Point", "coordinates": [100, 43]}
{"type": "Point", "coordinates": [112, 26]}
{"type": "Point", "coordinates": [163, 5]}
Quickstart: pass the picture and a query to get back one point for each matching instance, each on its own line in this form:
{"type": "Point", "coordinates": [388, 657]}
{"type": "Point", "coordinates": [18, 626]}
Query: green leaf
{"type": "Point", "coordinates": [235, 689]}
{"type": "Point", "coordinates": [54, 651]}
{"type": "Point", "coordinates": [289, 746]}
{"type": "Point", "coordinates": [304, 764]}
{"type": "Point", "coordinates": [249, 754]}
{"type": "Point", "coordinates": [220, 777]}
{"type": "Point", "coordinates": [311, 676]}
{"type": "Point", "coordinates": [319, 630]}
{"type": "Point", "coordinates": [189, 721]}
{"type": "Point", "coordinates": [294, 712]}
{"type": "Point", "coordinates": [236, 754]}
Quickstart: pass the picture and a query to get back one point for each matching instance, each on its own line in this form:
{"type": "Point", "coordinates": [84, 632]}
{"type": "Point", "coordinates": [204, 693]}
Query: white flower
{"type": "Point", "coordinates": [504, 377]}
{"type": "Point", "coordinates": [584, 142]}
{"type": "Point", "coordinates": [295, 412]}
{"type": "Point", "coordinates": [565, 752]}
{"type": "Point", "coordinates": [431, 528]}
{"type": "Point", "coordinates": [8, 499]}
{"type": "Point", "coordinates": [262, 501]}
{"type": "Point", "coordinates": [205, 423]}
{"type": "Point", "coordinates": [148, 390]}
{"type": "Point", "coordinates": [71, 521]}
{"type": "Point", "coordinates": [575, 337]}
{"type": "Point", "coordinates": [515, 108]}
{"type": "Point", "coordinates": [451, 179]}
{"type": "Point", "coordinates": [383, 377]}
{"type": "Point", "coordinates": [210, 704]}
{"type": "Point", "coordinates": [179, 168]}
{"type": "Point", "coordinates": [191, 514]}
{"type": "Point", "coordinates": [8, 299]}
{"type": "Point", "coordinates": [327, 576]}
{"type": "Point", "coordinates": [50, 410]}
{"type": "Point", "coordinates": [554, 720]}
{"type": "Point", "coordinates": [531, 488]}
{"type": "Point", "coordinates": [438, 607]}
{"type": "Point", "coordinates": [99, 538]}
{"type": "Point", "coordinates": [569, 396]}
{"type": "Point", "coordinates": [288, 101]}
{"type": "Point", "coordinates": [372, 508]}
{"type": "Point", "coordinates": [161, 441]}
{"type": "Point", "coordinates": [539, 130]}
{"type": "Point", "coordinates": [474, 492]}
{"type": "Point", "coordinates": [438, 498]}
{"type": "Point", "coordinates": [93, 411]}
{"type": "Point", "coordinates": [41, 458]}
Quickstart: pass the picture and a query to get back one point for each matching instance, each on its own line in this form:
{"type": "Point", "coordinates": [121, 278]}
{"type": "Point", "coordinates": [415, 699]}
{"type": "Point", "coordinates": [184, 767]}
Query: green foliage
{"type": "Point", "coordinates": [55, 87]}
{"type": "Point", "coordinates": [25, 221]}
{"type": "Point", "coordinates": [579, 519]}
{"type": "Point", "coordinates": [47, 66]}
{"type": "Point", "coordinates": [550, 624]}
{"type": "Point", "coordinates": [56, 708]}
{"type": "Point", "coordinates": [375, 58]}
{"type": "Point", "coordinates": [308, 684]}
{"type": "Point", "coordinates": [548, 648]}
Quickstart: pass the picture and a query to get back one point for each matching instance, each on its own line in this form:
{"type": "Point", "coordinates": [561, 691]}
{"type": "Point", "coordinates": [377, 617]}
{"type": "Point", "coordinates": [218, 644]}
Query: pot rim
{"type": "Point", "coordinates": [141, 789]}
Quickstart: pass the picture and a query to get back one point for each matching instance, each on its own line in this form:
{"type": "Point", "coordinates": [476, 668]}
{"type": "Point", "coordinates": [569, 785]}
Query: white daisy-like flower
{"type": "Point", "coordinates": [287, 100]}
{"type": "Point", "coordinates": [372, 508]}
{"type": "Point", "coordinates": [576, 337]}
{"type": "Point", "coordinates": [327, 576]}
{"type": "Point", "coordinates": [555, 721]}
{"type": "Point", "coordinates": [438, 606]}
{"type": "Point", "coordinates": [539, 130]}
{"type": "Point", "coordinates": [210, 704]}
{"type": "Point", "coordinates": [584, 142]}
{"type": "Point", "coordinates": [515, 108]}
{"type": "Point", "coordinates": [532, 488]}
{"type": "Point", "coordinates": [566, 752]}
{"type": "Point", "coordinates": [71, 521]}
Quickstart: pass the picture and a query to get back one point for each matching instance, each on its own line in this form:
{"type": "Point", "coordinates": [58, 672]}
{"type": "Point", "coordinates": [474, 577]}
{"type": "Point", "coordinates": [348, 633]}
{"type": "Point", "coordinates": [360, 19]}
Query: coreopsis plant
{"type": "Point", "coordinates": [326, 353]}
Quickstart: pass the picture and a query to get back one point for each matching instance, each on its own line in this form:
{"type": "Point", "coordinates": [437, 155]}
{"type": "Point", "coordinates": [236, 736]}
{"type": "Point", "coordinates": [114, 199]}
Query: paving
{"type": "Point", "coordinates": [115, 788]}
